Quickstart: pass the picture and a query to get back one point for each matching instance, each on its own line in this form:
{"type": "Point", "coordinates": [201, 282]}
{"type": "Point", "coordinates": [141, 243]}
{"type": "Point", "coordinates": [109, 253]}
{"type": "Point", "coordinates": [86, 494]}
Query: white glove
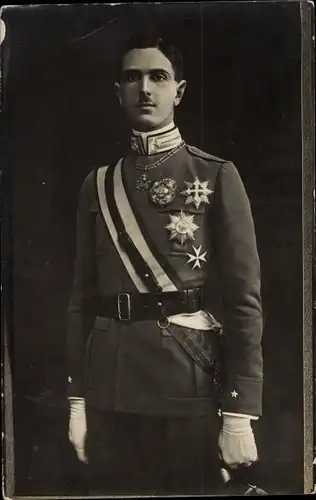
{"type": "Point", "coordinates": [236, 441]}
{"type": "Point", "coordinates": [78, 427]}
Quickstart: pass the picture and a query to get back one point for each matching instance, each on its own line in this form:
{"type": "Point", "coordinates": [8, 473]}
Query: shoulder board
{"type": "Point", "coordinates": [206, 156]}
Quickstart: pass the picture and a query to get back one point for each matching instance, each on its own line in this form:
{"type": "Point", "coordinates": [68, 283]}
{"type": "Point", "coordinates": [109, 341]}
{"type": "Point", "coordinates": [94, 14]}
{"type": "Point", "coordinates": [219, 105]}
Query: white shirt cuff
{"type": "Point", "coordinates": [252, 417]}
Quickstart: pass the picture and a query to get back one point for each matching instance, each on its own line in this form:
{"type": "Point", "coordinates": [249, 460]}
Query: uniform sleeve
{"type": "Point", "coordinates": [239, 274]}
{"type": "Point", "coordinates": [80, 316]}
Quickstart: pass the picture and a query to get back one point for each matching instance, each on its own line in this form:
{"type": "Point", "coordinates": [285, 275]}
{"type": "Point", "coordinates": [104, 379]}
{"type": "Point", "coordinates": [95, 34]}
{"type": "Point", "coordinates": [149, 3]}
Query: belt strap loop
{"type": "Point", "coordinates": [194, 299]}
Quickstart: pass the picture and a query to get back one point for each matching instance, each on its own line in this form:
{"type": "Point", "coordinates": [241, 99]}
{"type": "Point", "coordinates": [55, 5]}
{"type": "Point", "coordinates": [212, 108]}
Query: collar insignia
{"type": "Point", "coordinates": [158, 141]}
{"type": "Point", "coordinates": [181, 227]}
{"type": "Point", "coordinates": [196, 192]}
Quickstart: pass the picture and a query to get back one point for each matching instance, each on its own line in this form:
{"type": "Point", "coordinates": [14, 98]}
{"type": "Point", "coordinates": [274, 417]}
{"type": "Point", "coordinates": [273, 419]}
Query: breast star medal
{"type": "Point", "coordinates": [181, 227]}
{"type": "Point", "coordinates": [196, 192]}
{"type": "Point", "coordinates": [163, 192]}
{"type": "Point", "coordinates": [197, 258]}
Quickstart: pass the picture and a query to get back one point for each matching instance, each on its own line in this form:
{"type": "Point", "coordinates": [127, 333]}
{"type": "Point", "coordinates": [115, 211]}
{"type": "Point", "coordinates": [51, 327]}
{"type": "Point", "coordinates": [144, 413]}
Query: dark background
{"type": "Point", "coordinates": [242, 64]}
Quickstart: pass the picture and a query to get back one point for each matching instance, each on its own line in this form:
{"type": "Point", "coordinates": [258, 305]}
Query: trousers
{"type": "Point", "coordinates": [135, 454]}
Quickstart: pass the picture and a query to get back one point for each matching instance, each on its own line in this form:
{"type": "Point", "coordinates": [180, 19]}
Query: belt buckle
{"type": "Point", "coordinates": [121, 313]}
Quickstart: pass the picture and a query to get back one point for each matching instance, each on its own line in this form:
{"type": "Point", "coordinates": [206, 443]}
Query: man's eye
{"type": "Point", "coordinates": [130, 77]}
{"type": "Point", "coordinates": [159, 77]}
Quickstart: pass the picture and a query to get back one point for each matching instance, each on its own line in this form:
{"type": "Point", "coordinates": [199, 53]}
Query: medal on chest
{"type": "Point", "coordinates": [181, 227]}
{"type": "Point", "coordinates": [163, 192]}
{"type": "Point", "coordinates": [196, 192]}
{"type": "Point", "coordinates": [197, 257]}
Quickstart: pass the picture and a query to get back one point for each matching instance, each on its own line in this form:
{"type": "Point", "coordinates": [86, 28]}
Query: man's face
{"type": "Point", "coordinates": [148, 90]}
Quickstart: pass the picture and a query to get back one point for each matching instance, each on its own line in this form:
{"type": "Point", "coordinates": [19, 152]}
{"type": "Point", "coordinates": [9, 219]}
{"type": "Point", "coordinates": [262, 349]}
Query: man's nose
{"type": "Point", "coordinates": [144, 85]}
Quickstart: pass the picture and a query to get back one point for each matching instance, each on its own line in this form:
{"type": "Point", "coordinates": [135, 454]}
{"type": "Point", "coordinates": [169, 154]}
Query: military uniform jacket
{"type": "Point", "coordinates": [135, 366]}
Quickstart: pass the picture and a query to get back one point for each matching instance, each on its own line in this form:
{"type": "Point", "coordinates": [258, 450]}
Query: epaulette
{"type": "Point", "coordinates": [202, 154]}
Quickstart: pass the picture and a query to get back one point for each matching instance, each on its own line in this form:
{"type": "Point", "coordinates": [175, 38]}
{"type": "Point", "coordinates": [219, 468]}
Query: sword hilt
{"type": "Point", "coordinates": [243, 480]}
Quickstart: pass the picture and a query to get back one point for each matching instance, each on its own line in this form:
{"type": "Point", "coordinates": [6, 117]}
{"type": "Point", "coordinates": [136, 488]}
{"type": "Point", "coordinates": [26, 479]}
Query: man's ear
{"type": "Point", "coordinates": [181, 86]}
{"type": "Point", "coordinates": [118, 92]}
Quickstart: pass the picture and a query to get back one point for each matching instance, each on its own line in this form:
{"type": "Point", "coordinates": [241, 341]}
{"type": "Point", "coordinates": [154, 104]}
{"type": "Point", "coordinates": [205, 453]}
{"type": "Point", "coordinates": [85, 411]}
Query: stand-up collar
{"type": "Point", "coordinates": [157, 141]}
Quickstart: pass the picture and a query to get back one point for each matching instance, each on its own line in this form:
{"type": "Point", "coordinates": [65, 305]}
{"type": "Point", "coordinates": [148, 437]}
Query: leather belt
{"type": "Point", "coordinates": [140, 306]}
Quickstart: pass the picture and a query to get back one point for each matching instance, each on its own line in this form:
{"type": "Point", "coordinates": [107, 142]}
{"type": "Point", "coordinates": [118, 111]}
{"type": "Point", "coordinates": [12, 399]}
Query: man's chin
{"type": "Point", "coordinates": [146, 123]}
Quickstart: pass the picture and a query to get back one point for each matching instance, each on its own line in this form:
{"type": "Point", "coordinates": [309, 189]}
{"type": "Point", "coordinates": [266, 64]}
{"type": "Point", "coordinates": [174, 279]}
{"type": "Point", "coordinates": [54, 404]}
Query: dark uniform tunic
{"type": "Point", "coordinates": [136, 367]}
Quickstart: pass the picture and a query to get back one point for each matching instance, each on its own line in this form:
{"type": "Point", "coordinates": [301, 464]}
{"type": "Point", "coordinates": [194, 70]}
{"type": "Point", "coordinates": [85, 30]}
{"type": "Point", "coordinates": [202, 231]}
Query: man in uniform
{"type": "Point", "coordinates": [151, 228]}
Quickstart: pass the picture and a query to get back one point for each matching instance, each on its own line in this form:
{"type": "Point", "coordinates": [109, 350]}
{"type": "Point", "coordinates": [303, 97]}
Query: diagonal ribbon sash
{"type": "Point", "coordinates": [101, 178]}
{"type": "Point", "coordinates": [137, 257]}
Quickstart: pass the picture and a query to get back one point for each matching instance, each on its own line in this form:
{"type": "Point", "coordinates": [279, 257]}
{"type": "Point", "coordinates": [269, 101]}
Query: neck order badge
{"type": "Point", "coordinates": [143, 183]}
{"type": "Point", "coordinates": [164, 140]}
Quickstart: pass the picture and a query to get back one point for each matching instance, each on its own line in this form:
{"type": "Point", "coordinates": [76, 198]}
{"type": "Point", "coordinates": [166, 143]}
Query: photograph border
{"type": "Point", "coordinates": [308, 256]}
{"type": "Point", "coordinates": [308, 214]}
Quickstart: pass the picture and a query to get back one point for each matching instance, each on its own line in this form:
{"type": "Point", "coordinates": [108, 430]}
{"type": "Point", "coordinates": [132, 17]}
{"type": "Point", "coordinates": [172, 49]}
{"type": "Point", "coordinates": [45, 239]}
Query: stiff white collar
{"type": "Point", "coordinates": [156, 141]}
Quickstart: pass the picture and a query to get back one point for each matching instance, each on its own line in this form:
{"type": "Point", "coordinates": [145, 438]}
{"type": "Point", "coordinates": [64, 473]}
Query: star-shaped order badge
{"type": "Point", "coordinates": [197, 258]}
{"type": "Point", "coordinates": [196, 192]}
{"type": "Point", "coordinates": [181, 227]}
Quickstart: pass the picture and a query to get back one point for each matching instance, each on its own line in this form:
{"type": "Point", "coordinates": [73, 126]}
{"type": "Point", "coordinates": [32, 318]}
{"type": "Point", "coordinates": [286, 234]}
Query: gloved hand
{"type": "Point", "coordinates": [236, 441]}
{"type": "Point", "coordinates": [78, 427]}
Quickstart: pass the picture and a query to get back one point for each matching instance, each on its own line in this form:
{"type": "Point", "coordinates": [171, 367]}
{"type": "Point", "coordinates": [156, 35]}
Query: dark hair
{"type": "Point", "coordinates": [156, 40]}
